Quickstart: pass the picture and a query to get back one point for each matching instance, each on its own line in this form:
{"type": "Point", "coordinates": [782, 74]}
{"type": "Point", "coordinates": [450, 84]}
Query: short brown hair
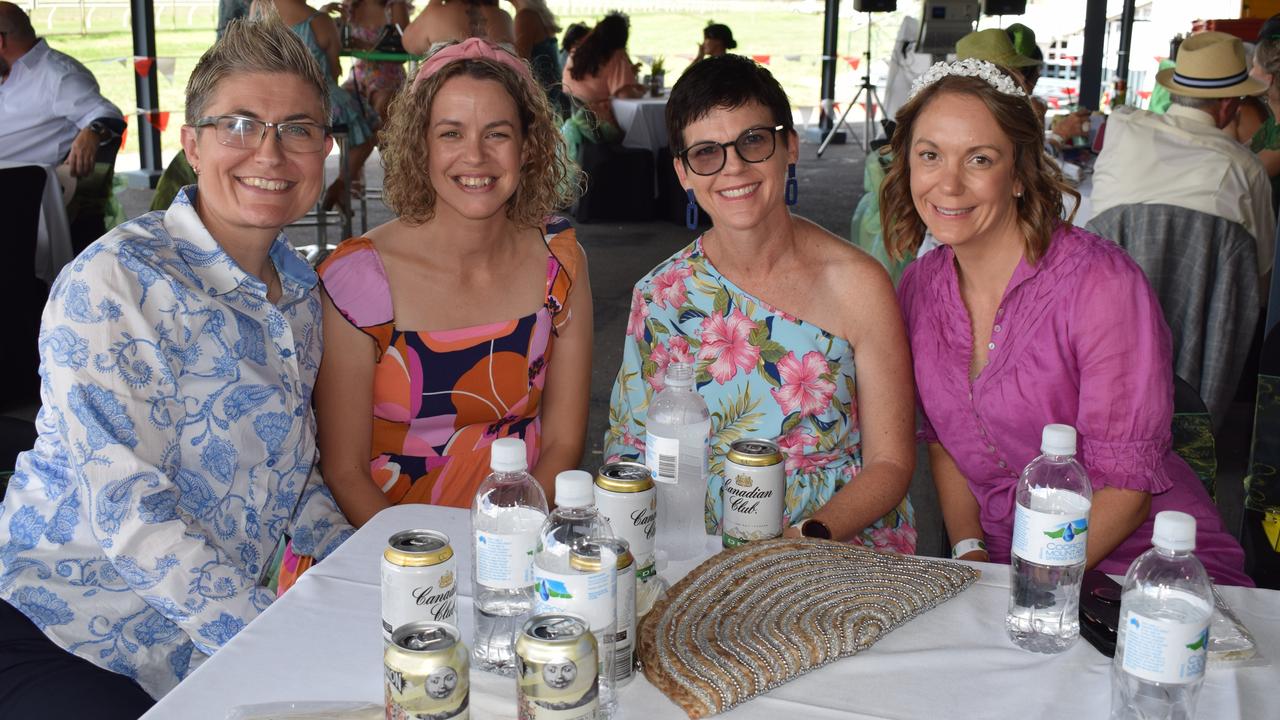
{"type": "Point", "coordinates": [261, 44]}
{"type": "Point", "coordinates": [548, 179]}
{"type": "Point", "coordinates": [1039, 209]}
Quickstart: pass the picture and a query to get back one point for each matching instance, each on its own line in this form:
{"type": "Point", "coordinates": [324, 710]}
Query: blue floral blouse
{"type": "Point", "coordinates": [176, 435]}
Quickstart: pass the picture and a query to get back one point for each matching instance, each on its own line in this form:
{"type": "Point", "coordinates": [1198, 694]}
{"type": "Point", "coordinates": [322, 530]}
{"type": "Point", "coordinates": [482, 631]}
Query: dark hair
{"type": "Point", "coordinates": [572, 35]}
{"type": "Point", "coordinates": [721, 32]}
{"type": "Point", "coordinates": [726, 82]}
{"type": "Point", "coordinates": [1039, 208]}
{"type": "Point", "coordinates": [607, 37]}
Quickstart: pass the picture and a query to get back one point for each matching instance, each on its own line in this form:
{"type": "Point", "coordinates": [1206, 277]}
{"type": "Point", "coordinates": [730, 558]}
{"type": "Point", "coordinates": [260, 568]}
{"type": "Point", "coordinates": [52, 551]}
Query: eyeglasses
{"type": "Point", "coordinates": [754, 145]}
{"type": "Point", "coordinates": [245, 133]}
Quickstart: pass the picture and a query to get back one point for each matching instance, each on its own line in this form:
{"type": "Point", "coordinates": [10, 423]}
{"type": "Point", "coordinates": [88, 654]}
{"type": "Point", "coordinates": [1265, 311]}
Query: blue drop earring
{"type": "Point", "coordinates": [691, 211]}
{"type": "Point", "coordinates": [793, 186]}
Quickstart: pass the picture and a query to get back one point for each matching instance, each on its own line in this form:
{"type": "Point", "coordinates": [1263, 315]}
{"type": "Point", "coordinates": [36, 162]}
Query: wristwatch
{"type": "Point", "coordinates": [815, 528]}
{"type": "Point", "coordinates": [104, 133]}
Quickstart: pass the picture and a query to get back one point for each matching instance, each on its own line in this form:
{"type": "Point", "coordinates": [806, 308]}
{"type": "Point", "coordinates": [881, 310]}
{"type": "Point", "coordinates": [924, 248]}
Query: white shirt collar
{"type": "Point", "coordinates": [1191, 115]}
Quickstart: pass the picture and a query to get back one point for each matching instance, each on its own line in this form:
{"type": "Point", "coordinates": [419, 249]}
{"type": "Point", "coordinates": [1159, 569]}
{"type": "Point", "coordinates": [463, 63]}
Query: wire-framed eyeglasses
{"type": "Point", "coordinates": [247, 133]}
{"type": "Point", "coordinates": [754, 145]}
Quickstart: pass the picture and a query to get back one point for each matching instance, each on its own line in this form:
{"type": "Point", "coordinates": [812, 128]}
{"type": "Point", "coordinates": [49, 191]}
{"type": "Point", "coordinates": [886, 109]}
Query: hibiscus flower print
{"type": "Point", "coordinates": [664, 355]}
{"type": "Point", "coordinates": [793, 446]}
{"type": "Point", "coordinates": [726, 343]}
{"type": "Point", "coordinates": [804, 389]}
{"type": "Point", "coordinates": [639, 311]}
{"type": "Point", "coordinates": [668, 287]}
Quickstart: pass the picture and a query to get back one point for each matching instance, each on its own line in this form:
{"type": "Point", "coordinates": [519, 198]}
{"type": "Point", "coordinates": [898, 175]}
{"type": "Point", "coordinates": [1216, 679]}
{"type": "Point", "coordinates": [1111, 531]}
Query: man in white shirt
{"type": "Point", "coordinates": [50, 108]}
{"type": "Point", "coordinates": [1183, 157]}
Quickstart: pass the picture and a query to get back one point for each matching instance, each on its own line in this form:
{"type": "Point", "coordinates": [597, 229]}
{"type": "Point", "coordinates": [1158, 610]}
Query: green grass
{"type": "Point", "coordinates": [778, 34]}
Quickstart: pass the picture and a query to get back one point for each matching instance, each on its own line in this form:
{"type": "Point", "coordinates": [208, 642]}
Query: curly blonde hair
{"type": "Point", "coordinates": [1041, 206]}
{"type": "Point", "coordinates": [548, 177]}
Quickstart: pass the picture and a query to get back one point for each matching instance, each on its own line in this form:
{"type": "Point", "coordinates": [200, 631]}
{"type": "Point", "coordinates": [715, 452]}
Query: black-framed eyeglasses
{"type": "Point", "coordinates": [247, 133]}
{"type": "Point", "coordinates": [754, 145]}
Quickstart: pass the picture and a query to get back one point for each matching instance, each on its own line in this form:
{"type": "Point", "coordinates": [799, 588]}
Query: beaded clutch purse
{"type": "Point", "coordinates": [752, 618]}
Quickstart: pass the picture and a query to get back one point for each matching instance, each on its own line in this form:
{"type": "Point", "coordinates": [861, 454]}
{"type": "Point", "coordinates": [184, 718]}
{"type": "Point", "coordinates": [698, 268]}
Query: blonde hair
{"type": "Point", "coordinates": [548, 178]}
{"type": "Point", "coordinates": [262, 43]}
{"type": "Point", "coordinates": [1041, 206]}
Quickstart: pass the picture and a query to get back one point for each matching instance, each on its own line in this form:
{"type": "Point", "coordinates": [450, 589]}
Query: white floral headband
{"type": "Point", "coordinates": [969, 67]}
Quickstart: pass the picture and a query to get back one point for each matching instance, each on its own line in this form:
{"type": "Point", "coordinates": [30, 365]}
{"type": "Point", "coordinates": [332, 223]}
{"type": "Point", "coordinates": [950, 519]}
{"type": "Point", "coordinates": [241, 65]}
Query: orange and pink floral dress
{"type": "Point", "coordinates": [441, 397]}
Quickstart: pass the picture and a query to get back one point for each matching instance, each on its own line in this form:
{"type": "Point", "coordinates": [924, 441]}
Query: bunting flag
{"type": "Point", "coordinates": [158, 119]}
{"type": "Point", "coordinates": [124, 61]}
{"type": "Point", "coordinates": [762, 59]}
{"type": "Point", "coordinates": [166, 67]}
{"type": "Point", "coordinates": [792, 58]}
{"type": "Point", "coordinates": [142, 65]}
{"type": "Point", "coordinates": [854, 62]}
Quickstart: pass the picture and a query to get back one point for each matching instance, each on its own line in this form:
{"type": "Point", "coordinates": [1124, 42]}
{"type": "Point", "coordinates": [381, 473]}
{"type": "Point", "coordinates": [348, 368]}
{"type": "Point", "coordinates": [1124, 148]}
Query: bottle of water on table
{"type": "Point", "coordinates": [678, 428]}
{"type": "Point", "coordinates": [506, 515]}
{"type": "Point", "coordinates": [1050, 531]}
{"type": "Point", "coordinates": [1165, 610]}
{"type": "Point", "coordinates": [577, 573]}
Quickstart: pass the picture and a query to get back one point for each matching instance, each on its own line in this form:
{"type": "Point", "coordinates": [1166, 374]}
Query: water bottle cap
{"type": "Point", "coordinates": [507, 455]}
{"type": "Point", "coordinates": [1058, 439]}
{"type": "Point", "coordinates": [575, 488]}
{"type": "Point", "coordinates": [1174, 531]}
{"type": "Point", "coordinates": [679, 374]}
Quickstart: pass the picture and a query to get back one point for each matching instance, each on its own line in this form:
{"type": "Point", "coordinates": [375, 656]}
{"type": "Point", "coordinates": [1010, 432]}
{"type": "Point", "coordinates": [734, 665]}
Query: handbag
{"type": "Point", "coordinates": [390, 40]}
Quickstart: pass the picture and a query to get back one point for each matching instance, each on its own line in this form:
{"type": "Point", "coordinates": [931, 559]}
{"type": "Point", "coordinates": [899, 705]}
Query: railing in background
{"type": "Point", "coordinates": [44, 12]}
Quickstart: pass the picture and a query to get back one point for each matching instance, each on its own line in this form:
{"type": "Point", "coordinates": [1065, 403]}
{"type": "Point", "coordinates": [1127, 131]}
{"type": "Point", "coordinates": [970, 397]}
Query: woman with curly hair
{"type": "Point", "coordinates": [1020, 320]}
{"type": "Point", "coordinates": [468, 317]}
{"type": "Point", "coordinates": [599, 69]}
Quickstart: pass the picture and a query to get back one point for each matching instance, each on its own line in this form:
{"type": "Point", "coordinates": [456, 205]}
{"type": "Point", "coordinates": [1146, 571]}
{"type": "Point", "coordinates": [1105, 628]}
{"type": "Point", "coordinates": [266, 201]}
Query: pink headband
{"type": "Point", "coordinates": [471, 49]}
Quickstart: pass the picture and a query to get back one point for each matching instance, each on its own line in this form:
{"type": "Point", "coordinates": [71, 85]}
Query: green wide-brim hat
{"type": "Point", "coordinates": [992, 45]}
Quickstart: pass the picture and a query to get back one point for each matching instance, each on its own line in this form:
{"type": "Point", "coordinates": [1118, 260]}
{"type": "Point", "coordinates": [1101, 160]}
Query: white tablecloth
{"type": "Point", "coordinates": [321, 642]}
{"type": "Point", "coordinates": [644, 122]}
{"type": "Point", "coordinates": [53, 239]}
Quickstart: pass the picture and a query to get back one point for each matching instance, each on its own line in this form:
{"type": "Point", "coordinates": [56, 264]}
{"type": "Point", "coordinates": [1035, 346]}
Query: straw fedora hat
{"type": "Point", "coordinates": [1210, 65]}
{"type": "Point", "coordinates": [992, 45]}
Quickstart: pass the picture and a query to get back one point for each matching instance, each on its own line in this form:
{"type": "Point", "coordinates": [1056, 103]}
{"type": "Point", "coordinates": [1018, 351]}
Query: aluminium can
{"type": "Point", "coordinates": [557, 672]}
{"type": "Point", "coordinates": [625, 495]}
{"type": "Point", "coordinates": [624, 649]}
{"type": "Point", "coordinates": [755, 492]}
{"type": "Point", "coordinates": [419, 580]}
{"type": "Point", "coordinates": [426, 673]}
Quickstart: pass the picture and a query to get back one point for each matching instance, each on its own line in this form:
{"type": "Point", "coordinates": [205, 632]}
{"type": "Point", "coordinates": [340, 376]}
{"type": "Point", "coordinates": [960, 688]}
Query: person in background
{"type": "Point", "coordinates": [599, 69]}
{"type": "Point", "coordinates": [176, 450]}
{"type": "Point", "coordinates": [573, 35]}
{"type": "Point", "coordinates": [1020, 320]}
{"type": "Point", "coordinates": [1266, 141]}
{"type": "Point", "coordinates": [535, 30]}
{"type": "Point", "coordinates": [794, 332]}
{"type": "Point", "coordinates": [468, 317]}
{"type": "Point", "coordinates": [1183, 157]}
{"type": "Point", "coordinates": [452, 20]}
{"type": "Point", "coordinates": [717, 39]}
{"type": "Point", "coordinates": [375, 82]}
{"type": "Point", "coordinates": [229, 10]}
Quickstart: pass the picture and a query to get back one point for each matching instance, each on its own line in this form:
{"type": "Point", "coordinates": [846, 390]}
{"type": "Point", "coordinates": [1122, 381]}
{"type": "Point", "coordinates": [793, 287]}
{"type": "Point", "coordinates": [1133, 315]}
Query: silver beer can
{"type": "Point", "coordinates": [426, 673]}
{"type": "Point", "coordinates": [626, 497]}
{"type": "Point", "coordinates": [624, 649]}
{"type": "Point", "coordinates": [755, 492]}
{"type": "Point", "coordinates": [557, 672]}
{"type": "Point", "coordinates": [419, 580]}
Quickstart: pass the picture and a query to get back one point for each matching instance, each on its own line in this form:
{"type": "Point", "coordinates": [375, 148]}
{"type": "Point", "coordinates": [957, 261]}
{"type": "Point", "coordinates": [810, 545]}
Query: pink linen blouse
{"type": "Point", "coordinates": [1078, 338]}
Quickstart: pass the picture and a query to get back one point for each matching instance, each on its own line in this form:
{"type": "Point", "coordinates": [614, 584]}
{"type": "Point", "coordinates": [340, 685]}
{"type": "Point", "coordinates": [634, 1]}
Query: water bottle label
{"type": "Point", "coordinates": [505, 560]}
{"type": "Point", "coordinates": [1164, 651]}
{"type": "Point", "coordinates": [1052, 538]}
{"type": "Point", "coordinates": [590, 595]}
{"type": "Point", "coordinates": [662, 455]}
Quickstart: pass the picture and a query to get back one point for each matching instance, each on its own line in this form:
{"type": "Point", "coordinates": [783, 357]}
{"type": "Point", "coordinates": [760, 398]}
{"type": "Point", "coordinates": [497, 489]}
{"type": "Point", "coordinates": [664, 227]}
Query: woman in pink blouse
{"type": "Point", "coordinates": [1020, 320]}
{"type": "Point", "coordinates": [599, 69]}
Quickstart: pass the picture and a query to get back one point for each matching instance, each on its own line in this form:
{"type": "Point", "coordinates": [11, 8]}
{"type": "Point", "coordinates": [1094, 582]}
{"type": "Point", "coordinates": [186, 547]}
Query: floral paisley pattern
{"type": "Point", "coordinates": [762, 373]}
{"type": "Point", "coordinates": [176, 437]}
{"type": "Point", "coordinates": [441, 397]}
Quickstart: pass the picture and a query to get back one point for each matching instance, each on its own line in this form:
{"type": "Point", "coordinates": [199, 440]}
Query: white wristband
{"type": "Point", "coordinates": [966, 546]}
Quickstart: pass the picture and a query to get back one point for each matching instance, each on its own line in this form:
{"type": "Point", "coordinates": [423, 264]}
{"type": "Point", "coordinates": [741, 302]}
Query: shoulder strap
{"type": "Point", "coordinates": [356, 282]}
{"type": "Point", "coordinates": [564, 259]}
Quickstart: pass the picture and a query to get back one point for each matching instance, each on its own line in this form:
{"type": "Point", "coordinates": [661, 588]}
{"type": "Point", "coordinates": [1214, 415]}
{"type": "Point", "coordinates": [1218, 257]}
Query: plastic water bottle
{"type": "Point", "coordinates": [1050, 531]}
{"type": "Point", "coordinates": [678, 429]}
{"type": "Point", "coordinates": [506, 515]}
{"type": "Point", "coordinates": [576, 573]}
{"type": "Point", "coordinates": [1162, 643]}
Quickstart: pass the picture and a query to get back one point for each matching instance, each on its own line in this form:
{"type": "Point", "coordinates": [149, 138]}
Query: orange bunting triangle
{"type": "Point", "coordinates": [762, 59]}
{"type": "Point", "coordinates": [142, 65]}
{"type": "Point", "coordinates": [854, 62]}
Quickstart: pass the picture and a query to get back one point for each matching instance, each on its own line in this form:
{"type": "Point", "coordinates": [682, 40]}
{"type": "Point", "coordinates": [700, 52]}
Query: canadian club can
{"type": "Point", "coordinates": [625, 495]}
{"type": "Point", "coordinates": [426, 673]}
{"type": "Point", "coordinates": [557, 673]}
{"type": "Point", "coordinates": [419, 579]}
{"type": "Point", "coordinates": [755, 492]}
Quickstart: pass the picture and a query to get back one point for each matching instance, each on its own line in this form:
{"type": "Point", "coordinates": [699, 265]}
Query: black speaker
{"type": "Point", "coordinates": [875, 5]}
{"type": "Point", "coordinates": [1004, 7]}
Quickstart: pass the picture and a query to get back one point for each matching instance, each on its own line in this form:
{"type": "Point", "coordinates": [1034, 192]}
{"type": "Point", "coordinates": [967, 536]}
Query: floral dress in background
{"type": "Point", "coordinates": [763, 374]}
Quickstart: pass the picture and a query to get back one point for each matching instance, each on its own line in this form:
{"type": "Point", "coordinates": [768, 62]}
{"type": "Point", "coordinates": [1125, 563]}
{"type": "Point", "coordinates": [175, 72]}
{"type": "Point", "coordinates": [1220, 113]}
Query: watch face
{"type": "Point", "coordinates": [815, 529]}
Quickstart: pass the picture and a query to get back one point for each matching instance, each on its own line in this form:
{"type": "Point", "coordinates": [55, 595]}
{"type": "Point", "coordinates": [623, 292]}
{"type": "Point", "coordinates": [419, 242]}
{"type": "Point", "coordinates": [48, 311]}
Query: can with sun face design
{"type": "Point", "coordinates": [419, 580]}
{"type": "Point", "coordinates": [557, 671]}
{"type": "Point", "coordinates": [755, 492]}
{"type": "Point", "coordinates": [426, 673]}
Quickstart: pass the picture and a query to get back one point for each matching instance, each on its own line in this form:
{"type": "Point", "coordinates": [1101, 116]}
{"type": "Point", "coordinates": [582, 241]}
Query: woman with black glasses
{"type": "Point", "coordinates": [773, 310]}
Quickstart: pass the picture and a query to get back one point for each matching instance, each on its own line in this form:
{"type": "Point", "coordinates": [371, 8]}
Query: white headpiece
{"type": "Point", "coordinates": [969, 67]}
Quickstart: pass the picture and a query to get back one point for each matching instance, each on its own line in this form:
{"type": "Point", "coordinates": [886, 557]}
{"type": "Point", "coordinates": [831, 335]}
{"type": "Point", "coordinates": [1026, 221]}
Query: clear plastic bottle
{"type": "Point", "coordinates": [678, 429]}
{"type": "Point", "coordinates": [1047, 557]}
{"type": "Point", "coordinates": [506, 516]}
{"type": "Point", "coordinates": [577, 574]}
{"type": "Point", "coordinates": [1162, 644]}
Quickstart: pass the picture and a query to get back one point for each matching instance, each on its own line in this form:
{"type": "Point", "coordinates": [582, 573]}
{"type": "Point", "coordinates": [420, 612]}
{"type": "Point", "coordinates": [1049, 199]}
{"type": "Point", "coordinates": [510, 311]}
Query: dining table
{"type": "Point", "coordinates": [321, 643]}
{"type": "Point", "coordinates": [643, 122]}
{"type": "Point", "coordinates": [53, 233]}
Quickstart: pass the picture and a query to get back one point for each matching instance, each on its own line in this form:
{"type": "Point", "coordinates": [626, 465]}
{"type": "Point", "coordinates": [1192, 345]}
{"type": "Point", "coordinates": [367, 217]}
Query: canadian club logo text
{"type": "Point", "coordinates": [746, 501]}
{"type": "Point", "coordinates": [440, 601]}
